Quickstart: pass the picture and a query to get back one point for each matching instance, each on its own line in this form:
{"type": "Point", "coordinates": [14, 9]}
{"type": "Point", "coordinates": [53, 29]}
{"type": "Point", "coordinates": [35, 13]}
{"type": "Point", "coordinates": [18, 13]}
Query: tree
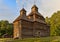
{"type": "Point", "coordinates": [5, 27]}
{"type": "Point", "coordinates": [54, 22]}
{"type": "Point", "coordinates": [47, 20]}
{"type": "Point", "coordinates": [57, 31]}
{"type": "Point", "coordinates": [10, 29]}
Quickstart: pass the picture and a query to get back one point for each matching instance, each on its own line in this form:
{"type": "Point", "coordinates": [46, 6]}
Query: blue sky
{"type": "Point", "coordinates": [9, 9]}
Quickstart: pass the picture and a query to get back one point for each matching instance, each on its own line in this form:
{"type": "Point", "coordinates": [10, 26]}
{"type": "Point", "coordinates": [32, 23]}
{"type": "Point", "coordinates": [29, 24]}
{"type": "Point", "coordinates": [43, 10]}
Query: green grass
{"type": "Point", "coordinates": [41, 39]}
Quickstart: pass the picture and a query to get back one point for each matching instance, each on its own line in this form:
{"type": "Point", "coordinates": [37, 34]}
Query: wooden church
{"type": "Point", "coordinates": [31, 25]}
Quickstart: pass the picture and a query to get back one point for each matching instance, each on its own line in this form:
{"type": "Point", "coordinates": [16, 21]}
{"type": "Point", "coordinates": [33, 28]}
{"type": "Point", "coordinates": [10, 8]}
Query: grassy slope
{"type": "Point", "coordinates": [43, 39]}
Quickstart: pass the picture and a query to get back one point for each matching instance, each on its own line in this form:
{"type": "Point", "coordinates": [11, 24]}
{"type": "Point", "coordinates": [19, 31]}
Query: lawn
{"type": "Point", "coordinates": [41, 39]}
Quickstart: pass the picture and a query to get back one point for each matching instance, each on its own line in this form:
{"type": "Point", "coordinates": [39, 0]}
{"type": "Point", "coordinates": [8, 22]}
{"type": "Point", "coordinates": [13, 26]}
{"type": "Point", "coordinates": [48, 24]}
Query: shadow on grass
{"type": "Point", "coordinates": [42, 39]}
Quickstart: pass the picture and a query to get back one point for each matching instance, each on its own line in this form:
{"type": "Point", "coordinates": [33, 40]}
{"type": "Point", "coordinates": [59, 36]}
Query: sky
{"type": "Point", "coordinates": [9, 9]}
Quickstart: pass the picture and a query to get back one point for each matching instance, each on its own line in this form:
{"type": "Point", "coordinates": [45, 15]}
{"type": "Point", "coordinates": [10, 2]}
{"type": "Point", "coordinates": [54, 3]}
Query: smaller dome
{"type": "Point", "coordinates": [23, 10]}
{"type": "Point", "coordinates": [34, 6]}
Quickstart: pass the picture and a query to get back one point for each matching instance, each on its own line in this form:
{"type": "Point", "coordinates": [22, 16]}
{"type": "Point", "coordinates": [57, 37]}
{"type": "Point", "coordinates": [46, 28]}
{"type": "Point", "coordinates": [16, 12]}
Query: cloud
{"type": "Point", "coordinates": [50, 6]}
{"type": "Point", "coordinates": [46, 7]}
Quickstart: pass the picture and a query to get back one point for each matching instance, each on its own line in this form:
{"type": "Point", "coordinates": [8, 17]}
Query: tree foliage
{"type": "Point", "coordinates": [5, 27]}
{"type": "Point", "coordinates": [54, 22]}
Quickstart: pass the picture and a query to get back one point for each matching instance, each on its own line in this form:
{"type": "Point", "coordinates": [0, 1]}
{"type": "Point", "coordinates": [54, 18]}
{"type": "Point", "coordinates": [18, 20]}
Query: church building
{"type": "Point", "coordinates": [31, 25]}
